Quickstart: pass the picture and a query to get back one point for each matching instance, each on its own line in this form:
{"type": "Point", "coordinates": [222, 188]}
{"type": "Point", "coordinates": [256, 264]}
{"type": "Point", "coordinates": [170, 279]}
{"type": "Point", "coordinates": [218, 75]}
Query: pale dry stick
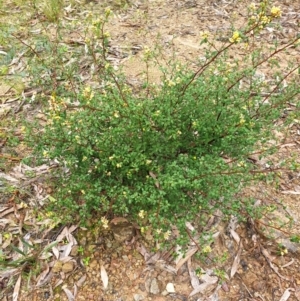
{"type": "Point", "coordinates": [272, 266]}
{"type": "Point", "coordinates": [203, 68]}
{"type": "Point", "coordinates": [26, 94]}
{"type": "Point", "coordinates": [275, 88]}
{"type": "Point", "coordinates": [28, 46]}
{"type": "Point", "coordinates": [265, 60]}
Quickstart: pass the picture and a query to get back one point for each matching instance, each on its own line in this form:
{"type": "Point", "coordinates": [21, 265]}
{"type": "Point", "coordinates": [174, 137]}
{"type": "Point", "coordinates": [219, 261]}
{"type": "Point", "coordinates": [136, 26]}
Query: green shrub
{"type": "Point", "coordinates": [174, 152]}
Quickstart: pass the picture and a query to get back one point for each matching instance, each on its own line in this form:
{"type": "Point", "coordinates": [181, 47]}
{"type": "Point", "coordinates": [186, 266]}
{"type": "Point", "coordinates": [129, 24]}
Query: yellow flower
{"type": "Point", "coordinates": [242, 119]}
{"type": "Point", "coordinates": [104, 222]}
{"type": "Point", "coordinates": [106, 35]}
{"type": "Point", "coordinates": [119, 165]}
{"type": "Point", "coordinates": [265, 20]}
{"type": "Point", "coordinates": [252, 6]}
{"type": "Point", "coordinates": [23, 205]}
{"type": "Point", "coordinates": [107, 11]}
{"type": "Point", "coordinates": [235, 37]}
{"type": "Point", "coordinates": [276, 11]}
{"type": "Point", "coordinates": [146, 50]}
{"type": "Point", "coordinates": [171, 83]}
{"type": "Point", "coordinates": [283, 252]}
{"type": "Point", "coordinates": [167, 235]}
{"type": "Point", "coordinates": [241, 164]}
{"type": "Point", "coordinates": [178, 80]}
{"type": "Point", "coordinates": [142, 214]}
{"type": "Point", "coordinates": [158, 231]}
{"type": "Point", "coordinates": [204, 35]}
{"type": "Point", "coordinates": [87, 90]}
{"type": "Point", "coordinates": [45, 154]}
{"type": "Point", "coordinates": [206, 249]}
{"type": "Point", "coordinates": [6, 235]}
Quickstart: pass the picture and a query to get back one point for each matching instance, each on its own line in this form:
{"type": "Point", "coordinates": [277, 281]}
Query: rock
{"type": "Point", "coordinates": [164, 293]}
{"type": "Point", "coordinates": [290, 246]}
{"type": "Point", "coordinates": [138, 297]}
{"type": "Point", "coordinates": [57, 267]}
{"type": "Point", "coordinates": [93, 264]}
{"type": "Point", "coordinates": [170, 288]}
{"type": "Point", "coordinates": [68, 267]}
{"type": "Point", "coordinates": [122, 229]}
{"type": "Point", "coordinates": [154, 287]}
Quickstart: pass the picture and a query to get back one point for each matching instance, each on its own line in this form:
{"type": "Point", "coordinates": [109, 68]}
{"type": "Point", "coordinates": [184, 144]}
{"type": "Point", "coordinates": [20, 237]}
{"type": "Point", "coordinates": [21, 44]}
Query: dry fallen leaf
{"type": "Point", "coordinates": [104, 277]}
{"type": "Point", "coordinates": [208, 281]}
{"type": "Point", "coordinates": [153, 176]}
{"type": "Point", "coordinates": [69, 294]}
{"type": "Point", "coordinates": [273, 267]}
{"type": "Point", "coordinates": [143, 251]}
{"type": "Point", "coordinates": [195, 282]}
{"type": "Point", "coordinates": [80, 282]}
{"type": "Point", "coordinates": [56, 252]}
{"type": "Point", "coordinates": [42, 276]}
{"type": "Point", "coordinates": [17, 289]}
{"type": "Point", "coordinates": [65, 250]}
{"type": "Point", "coordinates": [162, 265]}
{"type": "Point", "coordinates": [188, 255]}
{"type": "Point", "coordinates": [236, 261]}
{"type": "Point", "coordinates": [75, 290]}
{"type": "Point", "coordinates": [9, 273]}
{"type": "Point", "coordinates": [235, 236]}
{"type": "Point", "coordinates": [203, 287]}
{"type": "Point", "coordinates": [286, 294]}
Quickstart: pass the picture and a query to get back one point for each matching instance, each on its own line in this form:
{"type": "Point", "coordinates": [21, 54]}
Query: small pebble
{"type": "Point", "coordinates": [170, 288]}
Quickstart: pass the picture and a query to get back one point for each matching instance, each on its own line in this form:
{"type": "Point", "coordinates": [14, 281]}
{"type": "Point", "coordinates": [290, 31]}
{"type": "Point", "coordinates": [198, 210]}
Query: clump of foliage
{"type": "Point", "coordinates": [172, 152]}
